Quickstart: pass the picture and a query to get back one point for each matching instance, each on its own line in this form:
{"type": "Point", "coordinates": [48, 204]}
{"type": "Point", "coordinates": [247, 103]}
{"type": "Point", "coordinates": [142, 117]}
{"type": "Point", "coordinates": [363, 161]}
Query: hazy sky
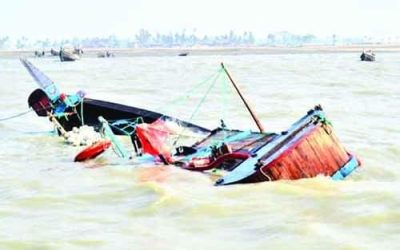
{"type": "Point", "coordinates": [87, 18]}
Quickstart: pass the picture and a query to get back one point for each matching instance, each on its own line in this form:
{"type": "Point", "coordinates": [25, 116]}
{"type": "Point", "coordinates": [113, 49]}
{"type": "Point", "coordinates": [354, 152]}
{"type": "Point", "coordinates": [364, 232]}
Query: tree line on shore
{"type": "Point", "coordinates": [145, 39]}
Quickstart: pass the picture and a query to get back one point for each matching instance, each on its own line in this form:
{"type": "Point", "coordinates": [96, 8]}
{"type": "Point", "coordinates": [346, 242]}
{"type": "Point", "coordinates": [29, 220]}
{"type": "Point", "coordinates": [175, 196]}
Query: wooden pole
{"type": "Point", "coordinates": [57, 125]}
{"type": "Point", "coordinates": [53, 119]}
{"type": "Point", "coordinates": [258, 123]}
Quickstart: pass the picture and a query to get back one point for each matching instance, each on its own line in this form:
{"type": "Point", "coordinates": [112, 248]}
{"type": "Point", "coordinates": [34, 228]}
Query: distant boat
{"type": "Point", "coordinates": [367, 56]}
{"type": "Point", "coordinates": [184, 54]}
{"type": "Point", "coordinates": [54, 52]}
{"type": "Point", "coordinates": [67, 56]}
{"type": "Point", "coordinates": [105, 54]}
{"type": "Point", "coordinates": [78, 51]}
{"type": "Point", "coordinates": [39, 53]}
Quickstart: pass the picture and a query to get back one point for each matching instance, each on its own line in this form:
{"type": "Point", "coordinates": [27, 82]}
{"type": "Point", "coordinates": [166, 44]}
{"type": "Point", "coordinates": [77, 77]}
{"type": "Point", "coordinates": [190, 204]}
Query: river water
{"type": "Point", "coordinates": [49, 202]}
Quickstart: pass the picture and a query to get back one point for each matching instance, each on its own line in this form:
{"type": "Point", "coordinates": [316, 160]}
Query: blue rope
{"type": "Point", "coordinates": [16, 115]}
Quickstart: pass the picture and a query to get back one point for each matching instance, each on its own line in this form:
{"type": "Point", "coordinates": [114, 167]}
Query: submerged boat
{"type": "Point", "coordinates": [76, 110]}
{"type": "Point", "coordinates": [307, 149]}
{"type": "Point", "coordinates": [368, 56]}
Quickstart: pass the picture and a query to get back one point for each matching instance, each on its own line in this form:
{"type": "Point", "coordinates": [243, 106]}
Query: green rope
{"type": "Point", "coordinates": [187, 94]}
{"type": "Point", "coordinates": [324, 120]}
{"type": "Point", "coordinates": [212, 80]}
{"type": "Point", "coordinates": [62, 115]}
{"type": "Point", "coordinates": [121, 130]}
{"type": "Point", "coordinates": [83, 123]}
{"type": "Point", "coordinates": [131, 125]}
{"type": "Point", "coordinates": [200, 104]}
{"type": "Point", "coordinates": [204, 97]}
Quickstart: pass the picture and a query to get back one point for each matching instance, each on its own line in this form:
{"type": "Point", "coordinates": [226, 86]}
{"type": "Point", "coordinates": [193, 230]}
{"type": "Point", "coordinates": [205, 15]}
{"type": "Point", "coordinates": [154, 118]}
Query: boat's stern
{"type": "Point", "coordinates": [309, 148]}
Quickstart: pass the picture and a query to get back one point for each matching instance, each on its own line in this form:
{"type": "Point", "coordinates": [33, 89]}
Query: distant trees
{"type": "Point", "coordinates": [4, 42]}
{"type": "Point", "coordinates": [22, 43]}
{"type": "Point", "coordinates": [145, 39]}
{"type": "Point", "coordinates": [285, 38]}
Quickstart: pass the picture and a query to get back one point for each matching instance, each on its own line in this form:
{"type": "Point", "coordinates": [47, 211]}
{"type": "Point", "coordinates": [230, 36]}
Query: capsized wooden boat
{"type": "Point", "coordinates": [307, 149]}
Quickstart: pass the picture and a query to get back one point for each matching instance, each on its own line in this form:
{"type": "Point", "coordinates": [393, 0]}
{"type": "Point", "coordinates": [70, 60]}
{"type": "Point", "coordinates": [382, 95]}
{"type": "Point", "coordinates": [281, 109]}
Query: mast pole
{"type": "Point", "coordinates": [256, 120]}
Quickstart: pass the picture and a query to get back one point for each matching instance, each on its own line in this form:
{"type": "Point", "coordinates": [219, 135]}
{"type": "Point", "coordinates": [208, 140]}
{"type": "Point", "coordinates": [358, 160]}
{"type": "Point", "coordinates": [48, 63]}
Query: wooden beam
{"type": "Point", "coordinates": [253, 115]}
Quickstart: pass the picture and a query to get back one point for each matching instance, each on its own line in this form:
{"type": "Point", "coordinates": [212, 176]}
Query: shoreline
{"type": "Point", "coordinates": [309, 49]}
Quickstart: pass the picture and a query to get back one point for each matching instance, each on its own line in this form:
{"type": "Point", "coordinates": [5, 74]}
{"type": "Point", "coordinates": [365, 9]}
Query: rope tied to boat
{"type": "Point", "coordinates": [324, 120]}
{"type": "Point", "coordinates": [202, 100]}
{"type": "Point", "coordinates": [82, 119]}
{"type": "Point", "coordinates": [218, 81]}
{"type": "Point", "coordinates": [325, 123]}
{"type": "Point", "coordinates": [129, 128]}
{"type": "Point", "coordinates": [16, 115]}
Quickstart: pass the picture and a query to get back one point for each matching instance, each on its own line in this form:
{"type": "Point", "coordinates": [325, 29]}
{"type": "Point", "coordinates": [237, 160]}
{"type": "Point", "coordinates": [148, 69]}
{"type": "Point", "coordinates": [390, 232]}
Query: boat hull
{"type": "Point", "coordinates": [121, 117]}
{"type": "Point", "coordinates": [88, 111]}
{"type": "Point", "coordinates": [318, 152]}
{"type": "Point", "coordinates": [308, 149]}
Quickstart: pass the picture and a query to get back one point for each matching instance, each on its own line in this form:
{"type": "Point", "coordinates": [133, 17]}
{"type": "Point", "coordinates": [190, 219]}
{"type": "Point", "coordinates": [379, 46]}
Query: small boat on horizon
{"type": "Point", "coordinates": [39, 53]}
{"type": "Point", "coordinates": [54, 52]}
{"type": "Point", "coordinates": [69, 54]}
{"type": "Point", "coordinates": [367, 56]}
{"type": "Point", "coordinates": [105, 54]}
